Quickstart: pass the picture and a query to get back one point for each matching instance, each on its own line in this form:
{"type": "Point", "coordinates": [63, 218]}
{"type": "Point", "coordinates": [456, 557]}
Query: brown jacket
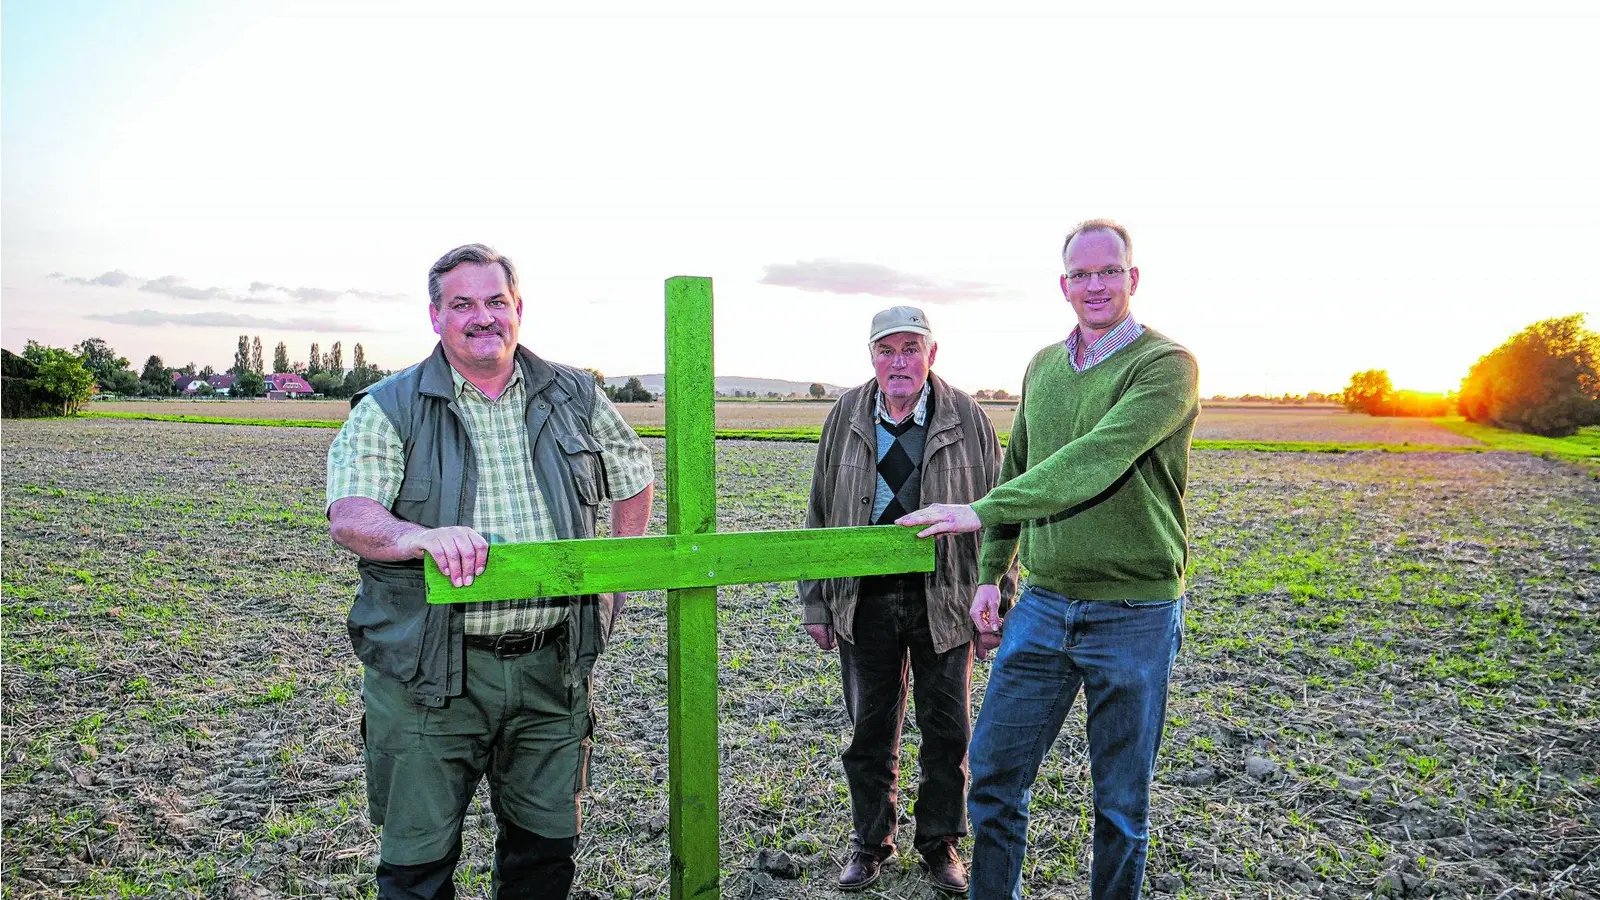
{"type": "Point", "coordinates": [960, 463]}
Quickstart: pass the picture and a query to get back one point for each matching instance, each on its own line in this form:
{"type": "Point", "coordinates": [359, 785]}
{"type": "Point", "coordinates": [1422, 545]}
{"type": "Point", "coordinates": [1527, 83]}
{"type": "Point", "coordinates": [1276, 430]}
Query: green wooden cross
{"type": "Point", "coordinates": [690, 561]}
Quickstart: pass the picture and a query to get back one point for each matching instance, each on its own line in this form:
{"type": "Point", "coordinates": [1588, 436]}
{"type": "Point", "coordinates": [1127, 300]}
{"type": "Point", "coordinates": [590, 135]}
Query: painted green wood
{"type": "Point", "coordinates": [694, 828]}
{"type": "Point", "coordinates": [565, 568]}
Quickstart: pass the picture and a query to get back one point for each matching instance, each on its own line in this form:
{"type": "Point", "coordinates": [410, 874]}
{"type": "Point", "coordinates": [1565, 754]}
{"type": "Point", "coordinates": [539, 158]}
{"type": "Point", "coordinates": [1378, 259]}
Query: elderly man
{"type": "Point", "coordinates": [902, 439]}
{"type": "Point", "coordinates": [481, 443]}
{"type": "Point", "coordinates": [1093, 486]}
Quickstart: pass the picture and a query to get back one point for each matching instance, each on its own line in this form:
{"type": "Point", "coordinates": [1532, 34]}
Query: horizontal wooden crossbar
{"type": "Point", "coordinates": [566, 568]}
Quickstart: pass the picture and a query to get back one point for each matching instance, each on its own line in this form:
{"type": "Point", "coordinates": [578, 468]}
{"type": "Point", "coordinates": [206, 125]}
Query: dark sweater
{"type": "Point", "coordinates": [1095, 472]}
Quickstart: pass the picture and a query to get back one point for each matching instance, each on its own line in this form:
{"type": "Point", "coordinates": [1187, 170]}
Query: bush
{"type": "Point", "coordinates": [360, 378]}
{"type": "Point", "coordinates": [327, 384]}
{"type": "Point", "coordinates": [18, 394]}
{"type": "Point", "coordinates": [45, 381]}
{"type": "Point", "coordinates": [248, 384]}
{"type": "Point", "coordinates": [120, 381]}
{"type": "Point", "coordinates": [1544, 380]}
{"type": "Point", "coordinates": [633, 392]}
{"type": "Point", "coordinates": [1367, 392]}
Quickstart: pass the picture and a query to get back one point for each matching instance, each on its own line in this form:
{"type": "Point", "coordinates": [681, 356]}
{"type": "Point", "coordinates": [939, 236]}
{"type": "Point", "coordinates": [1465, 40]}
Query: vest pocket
{"type": "Point", "coordinates": [583, 458]}
{"type": "Point", "coordinates": [388, 621]}
{"type": "Point", "coordinates": [415, 488]}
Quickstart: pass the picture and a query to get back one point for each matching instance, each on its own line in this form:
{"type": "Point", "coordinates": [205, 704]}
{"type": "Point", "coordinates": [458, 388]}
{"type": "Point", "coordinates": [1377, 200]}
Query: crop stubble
{"type": "Point", "coordinates": [1402, 644]}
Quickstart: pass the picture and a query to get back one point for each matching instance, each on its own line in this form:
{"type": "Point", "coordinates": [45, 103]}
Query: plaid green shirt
{"type": "Point", "coordinates": [367, 459]}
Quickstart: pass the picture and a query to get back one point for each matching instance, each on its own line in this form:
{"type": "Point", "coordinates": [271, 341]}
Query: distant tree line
{"type": "Point", "coordinates": [1309, 398]}
{"type": "Point", "coordinates": [1543, 380]}
{"type": "Point", "coordinates": [633, 391]}
{"type": "Point", "coordinates": [51, 381]}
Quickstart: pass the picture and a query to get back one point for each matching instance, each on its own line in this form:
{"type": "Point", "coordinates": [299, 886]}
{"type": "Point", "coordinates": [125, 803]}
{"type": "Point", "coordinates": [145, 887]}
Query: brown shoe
{"type": "Point", "coordinates": [946, 870]}
{"type": "Point", "coordinates": [862, 870]}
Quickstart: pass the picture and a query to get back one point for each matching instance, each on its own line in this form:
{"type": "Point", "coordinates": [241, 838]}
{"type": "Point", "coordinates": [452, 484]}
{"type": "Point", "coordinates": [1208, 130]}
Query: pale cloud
{"type": "Point", "coordinates": [174, 286]}
{"type": "Point", "coordinates": [260, 293]}
{"type": "Point", "coordinates": [114, 278]}
{"type": "Point", "coordinates": [378, 295]}
{"type": "Point", "coordinates": [837, 276]}
{"type": "Point", "coordinates": [302, 294]}
{"type": "Point", "coordinates": [150, 318]}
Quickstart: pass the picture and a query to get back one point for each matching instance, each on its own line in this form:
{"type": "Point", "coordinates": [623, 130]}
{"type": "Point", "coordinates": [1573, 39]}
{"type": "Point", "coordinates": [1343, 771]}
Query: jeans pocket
{"type": "Point", "coordinates": [1146, 604]}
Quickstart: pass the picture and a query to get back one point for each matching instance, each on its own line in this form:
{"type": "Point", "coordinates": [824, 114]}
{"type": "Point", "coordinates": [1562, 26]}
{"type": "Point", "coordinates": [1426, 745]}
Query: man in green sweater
{"type": "Point", "coordinates": [1092, 487]}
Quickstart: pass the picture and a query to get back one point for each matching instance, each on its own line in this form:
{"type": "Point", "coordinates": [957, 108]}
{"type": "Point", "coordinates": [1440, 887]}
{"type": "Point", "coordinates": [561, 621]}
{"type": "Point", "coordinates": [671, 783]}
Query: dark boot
{"type": "Point", "coordinates": [945, 868]}
{"type": "Point", "coordinates": [862, 869]}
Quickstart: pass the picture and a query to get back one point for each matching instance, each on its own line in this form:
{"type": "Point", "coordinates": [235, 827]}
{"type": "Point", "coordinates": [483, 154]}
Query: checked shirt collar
{"type": "Point", "coordinates": [462, 385]}
{"type": "Point", "coordinates": [920, 414]}
{"type": "Point", "coordinates": [1121, 336]}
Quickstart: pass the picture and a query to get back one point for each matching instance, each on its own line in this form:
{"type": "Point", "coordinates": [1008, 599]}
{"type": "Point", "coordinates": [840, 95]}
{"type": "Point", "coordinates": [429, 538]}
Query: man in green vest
{"type": "Point", "coordinates": [1092, 488]}
{"type": "Point", "coordinates": [480, 444]}
{"type": "Point", "coordinates": [904, 438]}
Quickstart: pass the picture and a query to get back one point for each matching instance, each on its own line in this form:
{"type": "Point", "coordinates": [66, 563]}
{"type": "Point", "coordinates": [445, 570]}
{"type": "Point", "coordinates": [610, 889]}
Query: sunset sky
{"type": "Point", "coordinates": [1385, 187]}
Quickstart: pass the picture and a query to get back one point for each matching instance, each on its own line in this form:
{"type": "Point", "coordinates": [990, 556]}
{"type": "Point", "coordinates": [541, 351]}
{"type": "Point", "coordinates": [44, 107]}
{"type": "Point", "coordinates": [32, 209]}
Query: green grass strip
{"type": "Point", "coordinates": [809, 434]}
{"type": "Point", "coordinates": [1583, 445]}
{"type": "Point", "coordinates": [217, 420]}
{"type": "Point", "coordinates": [1332, 447]}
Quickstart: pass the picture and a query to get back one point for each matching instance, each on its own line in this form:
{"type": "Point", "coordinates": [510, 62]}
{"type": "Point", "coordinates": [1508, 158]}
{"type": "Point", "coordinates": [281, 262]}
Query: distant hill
{"type": "Point", "coordinates": [727, 384]}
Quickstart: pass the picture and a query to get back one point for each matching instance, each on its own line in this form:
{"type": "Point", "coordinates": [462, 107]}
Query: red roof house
{"type": "Point", "coordinates": [289, 384]}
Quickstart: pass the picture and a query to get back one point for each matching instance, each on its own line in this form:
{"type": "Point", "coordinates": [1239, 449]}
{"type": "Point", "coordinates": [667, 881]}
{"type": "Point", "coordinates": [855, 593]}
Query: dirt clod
{"type": "Point", "coordinates": [777, 863]}
{"type": "Point", "coordinates": [1260, 768]}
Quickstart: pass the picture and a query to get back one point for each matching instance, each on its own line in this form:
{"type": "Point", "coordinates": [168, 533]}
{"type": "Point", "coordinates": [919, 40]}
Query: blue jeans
{"type": "Point", "coordinates": [1121, 653]}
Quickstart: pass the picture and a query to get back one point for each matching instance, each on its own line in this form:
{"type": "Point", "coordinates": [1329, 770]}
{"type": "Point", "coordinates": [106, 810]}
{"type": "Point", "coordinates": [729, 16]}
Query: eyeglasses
{"type": "Point", "coordinates": [1109, 273]}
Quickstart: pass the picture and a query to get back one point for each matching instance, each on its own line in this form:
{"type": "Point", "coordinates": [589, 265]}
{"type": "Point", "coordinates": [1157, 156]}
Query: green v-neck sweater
{"type": "Point", "coordinates": [1094, 475]}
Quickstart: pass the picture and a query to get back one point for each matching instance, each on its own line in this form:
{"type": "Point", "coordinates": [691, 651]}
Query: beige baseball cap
{"type": "Point", "coordinates": [896, 319]}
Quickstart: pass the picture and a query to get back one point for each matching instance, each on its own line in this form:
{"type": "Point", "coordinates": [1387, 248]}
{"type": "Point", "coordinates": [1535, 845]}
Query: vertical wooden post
{"type": "Point", "coordinates": [692, 664]}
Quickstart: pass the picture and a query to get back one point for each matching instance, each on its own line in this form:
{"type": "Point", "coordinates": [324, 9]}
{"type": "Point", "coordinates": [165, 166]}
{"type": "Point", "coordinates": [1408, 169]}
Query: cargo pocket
{"type": "Point", "coordinates": [588, 472]}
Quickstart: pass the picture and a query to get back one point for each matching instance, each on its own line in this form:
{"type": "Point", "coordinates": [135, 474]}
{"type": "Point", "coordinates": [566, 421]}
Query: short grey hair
{"type": "Point", "coordinates": [477, 254]}
{"type": "Point", "coordinates": [1101, 225]}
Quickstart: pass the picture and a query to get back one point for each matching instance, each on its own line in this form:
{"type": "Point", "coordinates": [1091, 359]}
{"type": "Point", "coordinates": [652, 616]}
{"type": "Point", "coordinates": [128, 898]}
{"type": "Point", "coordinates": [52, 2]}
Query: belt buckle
{"type": "Point", "coordinates": [528, 642]}
{"type": "Point", "coordinates": [501, 646]}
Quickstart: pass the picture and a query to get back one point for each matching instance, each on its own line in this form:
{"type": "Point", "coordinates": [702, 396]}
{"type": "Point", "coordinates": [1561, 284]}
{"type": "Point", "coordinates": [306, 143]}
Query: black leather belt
{"type": "Point", "coordinates": [512, 643]}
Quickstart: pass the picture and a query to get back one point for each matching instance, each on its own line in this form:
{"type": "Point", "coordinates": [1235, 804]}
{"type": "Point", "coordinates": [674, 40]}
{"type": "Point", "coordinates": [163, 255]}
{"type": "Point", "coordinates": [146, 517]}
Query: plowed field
{"type": "Point", "coordinates": [1388, 682]}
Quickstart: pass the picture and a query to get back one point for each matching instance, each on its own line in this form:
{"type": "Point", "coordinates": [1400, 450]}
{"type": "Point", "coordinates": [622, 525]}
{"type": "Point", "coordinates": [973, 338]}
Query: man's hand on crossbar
{"type": "Point", "coordinates": [460, 552]}
{"type": "Point", "coordinates": [942, 518]}
{"type": "Point", "coordinates": [366, 528]}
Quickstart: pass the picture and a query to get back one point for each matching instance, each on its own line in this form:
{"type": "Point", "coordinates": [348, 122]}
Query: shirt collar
{"type": "Point", "coordinates": [1110, 342]}
{"type": "Point", "coordinates": [920, 414]}
{"type": "Point", "coordinates": [463, 385]}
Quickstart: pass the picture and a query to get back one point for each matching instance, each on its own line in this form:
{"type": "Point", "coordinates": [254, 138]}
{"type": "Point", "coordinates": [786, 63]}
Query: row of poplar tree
{"type": "Point", "coordinates": [325, 371]}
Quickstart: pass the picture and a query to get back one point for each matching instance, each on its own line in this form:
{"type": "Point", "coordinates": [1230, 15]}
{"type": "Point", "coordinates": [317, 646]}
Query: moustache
{"type": "Point", "coordinates": [474, 332]}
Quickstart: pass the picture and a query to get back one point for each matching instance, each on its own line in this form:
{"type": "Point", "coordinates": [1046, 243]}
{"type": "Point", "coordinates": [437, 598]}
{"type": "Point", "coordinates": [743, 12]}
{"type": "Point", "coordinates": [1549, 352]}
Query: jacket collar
{"type": "Point", "coordinates": [945, 414]}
